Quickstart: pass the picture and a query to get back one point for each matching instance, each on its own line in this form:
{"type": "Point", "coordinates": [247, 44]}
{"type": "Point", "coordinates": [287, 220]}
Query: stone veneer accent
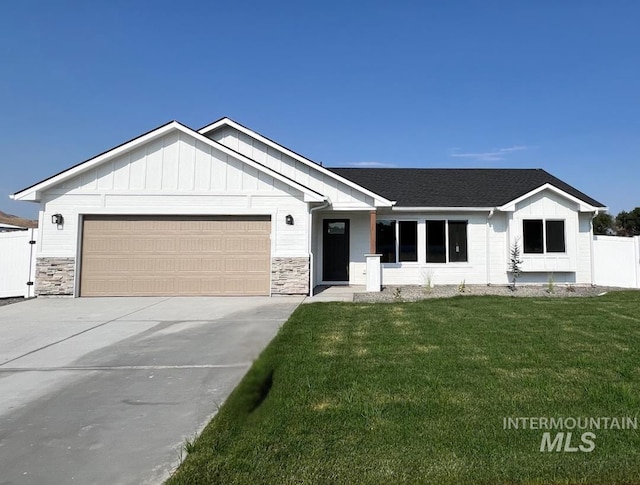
{"type": "Point", "coordinates": [289, 276]}
{"type": "Point", "coordinates": [55, 276]}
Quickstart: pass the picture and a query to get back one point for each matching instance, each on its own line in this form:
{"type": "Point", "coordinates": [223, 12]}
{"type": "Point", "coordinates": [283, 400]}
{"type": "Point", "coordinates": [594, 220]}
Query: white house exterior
{"type": "Point", "coordinates": [226, 211]}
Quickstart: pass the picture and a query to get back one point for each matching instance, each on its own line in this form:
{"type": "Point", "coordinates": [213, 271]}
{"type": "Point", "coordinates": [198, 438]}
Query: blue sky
{"type": "Point", "coordinates": [542, 84]}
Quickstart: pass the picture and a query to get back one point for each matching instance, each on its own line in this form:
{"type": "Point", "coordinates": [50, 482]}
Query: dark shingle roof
{"type": "Point", "coordinates": [448, 187]}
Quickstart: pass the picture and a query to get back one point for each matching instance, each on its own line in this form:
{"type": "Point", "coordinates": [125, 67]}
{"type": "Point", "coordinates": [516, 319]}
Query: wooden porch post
{"type": "Point", "coordinates": [372, 233]}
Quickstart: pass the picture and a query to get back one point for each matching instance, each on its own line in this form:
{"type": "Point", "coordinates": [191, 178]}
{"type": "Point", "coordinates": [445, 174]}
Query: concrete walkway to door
{"type": "Point", "coordinates": [105, 390]}
{"type": "Point", "coordinates": [334, 293]}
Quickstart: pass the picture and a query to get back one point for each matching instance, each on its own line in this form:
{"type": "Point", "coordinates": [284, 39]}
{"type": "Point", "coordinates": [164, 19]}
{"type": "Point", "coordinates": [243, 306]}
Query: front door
{"type": "Point", "coordinates": [335, 250]}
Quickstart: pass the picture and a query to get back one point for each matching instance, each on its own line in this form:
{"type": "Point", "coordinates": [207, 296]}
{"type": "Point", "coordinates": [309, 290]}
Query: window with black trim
{"type": "Point", "coordinates": [540, 236]}
{"type": "Point", "coordinates": [436, 244]}
{"type": "Point", "coordinates": [386, 240]}
{"type": "Point", "coordinates": [446, 241]}
{"type": "Point", "coordinates": [408, 241]}
{"type": "Point", "coordinates": [532, 235]}
{"type": "Point", "coordinates": [555, 236]}
{"type": "Point", "coordinates": [457, 241]}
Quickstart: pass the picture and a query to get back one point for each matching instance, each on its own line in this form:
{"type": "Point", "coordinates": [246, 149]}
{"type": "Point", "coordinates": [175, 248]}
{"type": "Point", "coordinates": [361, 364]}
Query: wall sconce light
{"type": "Point", "coordinates": [289, 220]}
{"type": "Point", "coordinates": [57, 219]}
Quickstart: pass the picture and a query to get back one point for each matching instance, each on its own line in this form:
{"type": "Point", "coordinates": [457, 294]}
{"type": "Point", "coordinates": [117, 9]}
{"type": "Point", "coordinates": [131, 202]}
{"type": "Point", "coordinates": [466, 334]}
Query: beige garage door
{"type": "Point", "coordinates": [166, 256]}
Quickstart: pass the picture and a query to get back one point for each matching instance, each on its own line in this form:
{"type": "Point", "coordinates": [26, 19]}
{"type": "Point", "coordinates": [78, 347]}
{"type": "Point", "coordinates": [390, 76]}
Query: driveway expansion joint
{"type": "Point", "coordinates": [80, 333]}
{"type": "Point", "coordinates": [124, 367]}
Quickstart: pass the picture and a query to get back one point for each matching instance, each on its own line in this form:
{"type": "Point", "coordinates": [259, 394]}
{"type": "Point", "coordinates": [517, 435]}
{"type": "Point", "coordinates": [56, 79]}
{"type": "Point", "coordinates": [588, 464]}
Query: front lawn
{"type": "Point", "coordinates": [417, 393]}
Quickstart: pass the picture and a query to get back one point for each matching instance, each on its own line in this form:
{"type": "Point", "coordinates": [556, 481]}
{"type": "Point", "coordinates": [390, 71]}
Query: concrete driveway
{"type": "Point", "coordinates": [105, 390]}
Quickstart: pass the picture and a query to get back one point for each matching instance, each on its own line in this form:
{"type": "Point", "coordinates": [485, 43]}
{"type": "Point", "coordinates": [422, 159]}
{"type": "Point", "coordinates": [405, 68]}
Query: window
{"type": "Point", "coordinates": [386, 241]}
{"type": "Point", "coordinates": [457, 241]}
{"type": "Point", "coordinates": [436, 242]}
{"type": "Point", "coordinates": [397, 241]}
{"type": "Point", "coordinates": [555, 236]}
{"type": "Point", "coordinates": [408, 244]}
{"type": "Point", "coordinates": [446, 234]}
{"type": "Point", "coordinates": [532, 233]}
{"type": "Point", "coordinates": [336, 227]}
{"type": "Point", "coordinates": [543, 236]}
{"type": "Point", "coordinates": [407, 237]}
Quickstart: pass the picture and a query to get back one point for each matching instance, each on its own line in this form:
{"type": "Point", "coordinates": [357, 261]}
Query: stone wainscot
{"type": "Point", "coordinates": [55, 276]}
{"type": "Point", "coordinates": [290, 276]}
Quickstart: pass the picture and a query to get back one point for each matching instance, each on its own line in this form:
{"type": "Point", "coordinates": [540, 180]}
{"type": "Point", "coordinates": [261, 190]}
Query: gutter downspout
{"type": "Point", "coordinates": [324, 205]}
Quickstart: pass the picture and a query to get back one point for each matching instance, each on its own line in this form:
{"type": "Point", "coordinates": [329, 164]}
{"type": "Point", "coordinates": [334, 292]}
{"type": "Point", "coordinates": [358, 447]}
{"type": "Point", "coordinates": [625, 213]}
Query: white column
{"type": "Point", "coordinates": [374, 272]}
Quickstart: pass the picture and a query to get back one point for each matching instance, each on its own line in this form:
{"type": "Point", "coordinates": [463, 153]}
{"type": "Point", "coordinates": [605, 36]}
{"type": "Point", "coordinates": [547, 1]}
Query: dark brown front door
{"type": "Point", "coordinates": [335, 250]}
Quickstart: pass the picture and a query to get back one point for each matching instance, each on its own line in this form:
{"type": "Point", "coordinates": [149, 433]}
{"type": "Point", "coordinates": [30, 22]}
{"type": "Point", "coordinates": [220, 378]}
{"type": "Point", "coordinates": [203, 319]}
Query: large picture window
{"type": "Point", "coordinates": [408, 244]}
{"type": "Point", "coordinates": [446, 241]}
{"type": "Point", "coordinates": [555, 236]}
{"type": "Point", "coordinates": [543, 236]}
{"type": "Point", "coordinates": [386, 241]}
{"type": "Point", "coordinates": [397, 241]}
{"type": "Point", "coordinates": [457, 241]}
{"type": "Point", "coordinates": [407, 236]}
{"type": "Point", "coordinates": [436, 242]}
{"type": "Point", "coordinates": [532, 234]}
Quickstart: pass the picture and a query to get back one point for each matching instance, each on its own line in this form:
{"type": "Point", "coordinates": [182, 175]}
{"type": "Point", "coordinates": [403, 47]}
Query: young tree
{"type": "Point", "coordinates": [514, 263]}
{"type": "Point", "coordinates": [602, 223]}
{"type": "Point", "coordinates": [629, 222]}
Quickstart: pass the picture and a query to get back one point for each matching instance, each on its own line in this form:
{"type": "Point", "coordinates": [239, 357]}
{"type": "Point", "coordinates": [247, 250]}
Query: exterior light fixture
{"type": "Point", "coordinates": [57, 219]}
{"type": "Point", "coordinates": [289, 220]}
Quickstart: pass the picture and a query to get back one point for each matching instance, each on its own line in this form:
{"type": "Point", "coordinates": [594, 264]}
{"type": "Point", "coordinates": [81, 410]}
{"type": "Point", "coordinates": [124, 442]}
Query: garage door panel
{"type": "Point", "coordinates": [164, 256]}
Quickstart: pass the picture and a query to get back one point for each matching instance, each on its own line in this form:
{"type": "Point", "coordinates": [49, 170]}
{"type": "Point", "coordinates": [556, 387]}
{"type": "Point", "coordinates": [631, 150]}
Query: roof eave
{"type": "Point", "coordinates": [442, 209]}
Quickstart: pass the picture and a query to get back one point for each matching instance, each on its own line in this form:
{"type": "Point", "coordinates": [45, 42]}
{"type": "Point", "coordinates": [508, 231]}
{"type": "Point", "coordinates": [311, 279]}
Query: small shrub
{"type": "Point", "coordinates": [397, 294]}
{"type": "Point", "coordinates": [462, 287]}
{"type": "Point", "coordinates": [550, 284]}
{"type": "Point", "coordinates": [427, 277]}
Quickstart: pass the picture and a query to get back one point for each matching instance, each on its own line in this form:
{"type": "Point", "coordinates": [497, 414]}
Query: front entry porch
{"type": "Point", "coordinates": [344, 245]}
{"type": "Point", "coordinates": [326, 293]}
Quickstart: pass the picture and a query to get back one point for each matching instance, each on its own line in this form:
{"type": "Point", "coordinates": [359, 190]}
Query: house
{"type": "Point", "coordinates": [226, 211]}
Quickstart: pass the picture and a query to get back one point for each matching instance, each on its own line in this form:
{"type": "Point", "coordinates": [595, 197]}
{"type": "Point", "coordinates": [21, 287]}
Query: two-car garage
{"type": "Point", "coordinates": [175, 255]}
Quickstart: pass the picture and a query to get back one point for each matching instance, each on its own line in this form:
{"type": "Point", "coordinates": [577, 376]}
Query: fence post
{"type": "Point", "coordinates": [636, 240]}
{"type": "Point", "coordinates": [30, 291]}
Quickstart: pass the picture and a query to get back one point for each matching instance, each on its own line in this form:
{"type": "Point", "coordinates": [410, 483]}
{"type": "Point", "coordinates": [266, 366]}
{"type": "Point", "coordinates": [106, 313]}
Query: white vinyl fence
{"type": "Point", "coordinates": [616, 261]}
{"type": "Point", "coordinates": [17, 263]}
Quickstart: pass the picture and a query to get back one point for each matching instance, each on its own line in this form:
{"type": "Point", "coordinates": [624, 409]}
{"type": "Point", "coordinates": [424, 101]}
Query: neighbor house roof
{"type": "Point", "coordinates": [446, 187]}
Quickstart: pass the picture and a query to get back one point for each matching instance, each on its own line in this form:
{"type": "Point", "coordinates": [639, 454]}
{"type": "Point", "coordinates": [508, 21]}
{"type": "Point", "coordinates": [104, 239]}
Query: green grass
{"type": "Point", "coordinates": [417, 392]}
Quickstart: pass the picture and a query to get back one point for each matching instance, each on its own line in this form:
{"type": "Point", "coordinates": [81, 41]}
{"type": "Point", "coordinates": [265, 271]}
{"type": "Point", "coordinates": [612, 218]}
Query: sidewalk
{"type": "Point", "coordinates": [334, 293]}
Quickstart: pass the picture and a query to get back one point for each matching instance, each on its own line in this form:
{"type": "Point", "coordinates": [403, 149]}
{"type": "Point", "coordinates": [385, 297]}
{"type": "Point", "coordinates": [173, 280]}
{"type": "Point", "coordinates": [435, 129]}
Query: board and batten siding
{"type": "Point", "coordinates": [341, 195]}
{"type": "Point", "coordinates": [411, 273]}
{"type": "Point", "coordinates": [572, 266]}
{"type": "Point", "coordinates": [175, 174]}
{"type": "Point", "coordinates": [498, 249]}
